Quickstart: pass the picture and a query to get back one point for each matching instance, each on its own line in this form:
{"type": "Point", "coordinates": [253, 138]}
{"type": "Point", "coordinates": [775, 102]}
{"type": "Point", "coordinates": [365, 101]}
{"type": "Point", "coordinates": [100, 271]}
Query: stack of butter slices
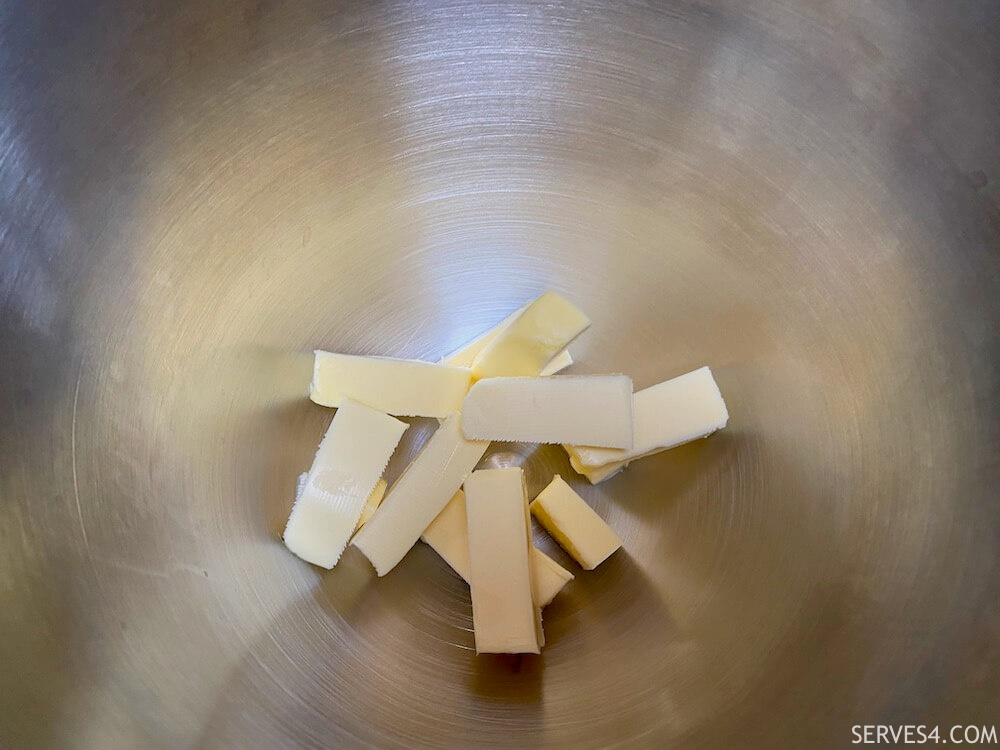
{"type": "Point", "coordinates": [501, 386]}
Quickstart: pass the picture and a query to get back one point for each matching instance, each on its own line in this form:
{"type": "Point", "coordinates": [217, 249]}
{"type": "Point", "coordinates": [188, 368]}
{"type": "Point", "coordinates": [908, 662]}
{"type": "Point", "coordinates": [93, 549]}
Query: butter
{"type": "Point", "coordinates": [419, 495]}
{"type": "Point", "coordinates": [596, 474]}
{"type": "Point", "coordinates": [403, 387]}
{"type": "Point", "coordinates": [465, 356]}
{"type": "Point", "coordinates": [559, 363]}
{"type": "Point", "coordinates": [532, 340]}
{"type": "Point", "coordinates": [504, 615]}
{"type": "Point", "coordinates": [348, 464]}
{"type": "Point", "coordinates": [549, 577]}
{"type": "Point", "coordinates": [448, 535]}
{"type": "Point", "coordinates": [574, 524]}
{"type": "Point", "coordinates": [579, 410]}
{"type": "Point", "coordinates": [371, 504]}
{"type": "Point", "coordinates": [666, 415]}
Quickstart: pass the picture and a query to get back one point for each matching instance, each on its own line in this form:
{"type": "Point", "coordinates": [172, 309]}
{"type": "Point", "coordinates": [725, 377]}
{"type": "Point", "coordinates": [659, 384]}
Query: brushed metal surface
{"type": "Point", "coordinates": [802, 195]}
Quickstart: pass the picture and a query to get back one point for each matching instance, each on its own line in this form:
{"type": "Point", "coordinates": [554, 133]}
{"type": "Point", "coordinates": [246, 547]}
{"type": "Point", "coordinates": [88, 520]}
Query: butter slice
{"type": "Point", "coordinates": [417, 497]}
{"type": "Point", "coordinates": [448, 535]}
{"type": "Point", "coordinates": [350, 460]}
{"type": "Point", "coordinates": [465, 356]}
{"type": "Point", "coordinates": [578, 410]}
{"type": "Point", "coordinates": [574, 524]}
{"type": "Point", "coordinates": [403, 387]}
{"type": "Point", "coordinates": [504, 615]}
{"type": "Point", "coordinates": [666, 415]}
{"type": "Point", "coordinates": [596, 474]}
{"type": "Point", "coordinates": [371, 504]}
{"type": "Point", "coordinates": [530, 343]}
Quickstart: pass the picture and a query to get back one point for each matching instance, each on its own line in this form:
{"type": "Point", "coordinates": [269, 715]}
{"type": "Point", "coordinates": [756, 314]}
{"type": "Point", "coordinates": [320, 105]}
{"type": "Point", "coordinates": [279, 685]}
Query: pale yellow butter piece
{"type": "Point", "coordinates": [579, 410]}
{"type": "Point", "coordinates": [448, 535]}
{"type": "Point", "coordinates": [559, 363]}
{"type": "Point", "coordinates": [371, 504]}
{"type": "Point", "coordinates": [504, 615]}
{"type": "Point", "coordinates": [403, 387]}
{"type": "Point", "coordinates": [532, 340]}
{"type": "Point", "coordinates": [595, 474]}
{"type": "Point", "coordinates": [465, 356]}
{"type": "Point", "coordinates": [417, 497]}
{"type": "Point", "coordinates": [549, 577]}
{"type": "Point", "coordinates": [348, 464]}
{"type": "Point", "coordinates": [665, 415]}
{"type": "Point", "coordinates": [574, 524]}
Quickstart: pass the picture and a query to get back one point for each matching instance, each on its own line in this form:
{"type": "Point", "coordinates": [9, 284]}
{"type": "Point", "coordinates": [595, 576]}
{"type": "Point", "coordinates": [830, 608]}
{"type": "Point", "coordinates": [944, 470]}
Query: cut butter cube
{"type": "Point", "coordinates": [417, 497]}
{"type": "Point", "coordinates": [578, 410]}
{"type": "Point", "coordinates": [448, 535]}
{"type": "Point", "coordinates": [666, 415]}
{"type": "Point", "coordinates": [504, 615]}
{"type": "Point", "coordinates": [465, 356]}
{"type": "Point", "coordinates": [350, 460]}
{"type": "Point", "coordinates": [371, 504]}
{"type": "Point", "coordinates": [574, 524]}
{"type": "Point", "coordinates": [403, 387]}
{"type": "Point", "coordinates": [532, 340]}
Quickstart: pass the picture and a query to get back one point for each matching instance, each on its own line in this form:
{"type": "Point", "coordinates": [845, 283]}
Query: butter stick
{"type": "Point", "coordinates": [505, 617]}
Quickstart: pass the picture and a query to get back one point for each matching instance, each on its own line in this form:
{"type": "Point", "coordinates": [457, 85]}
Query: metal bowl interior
{"type": "Point", "coordinates": [195, 195]}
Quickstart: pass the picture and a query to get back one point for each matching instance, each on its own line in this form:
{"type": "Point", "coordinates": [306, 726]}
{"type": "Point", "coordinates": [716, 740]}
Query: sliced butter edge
{"type": "Point", "coordinates": [465, 356]}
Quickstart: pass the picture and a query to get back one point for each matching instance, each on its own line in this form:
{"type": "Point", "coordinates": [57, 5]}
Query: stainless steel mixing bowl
{"type": "Point", "coordinates": [803, 195]}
